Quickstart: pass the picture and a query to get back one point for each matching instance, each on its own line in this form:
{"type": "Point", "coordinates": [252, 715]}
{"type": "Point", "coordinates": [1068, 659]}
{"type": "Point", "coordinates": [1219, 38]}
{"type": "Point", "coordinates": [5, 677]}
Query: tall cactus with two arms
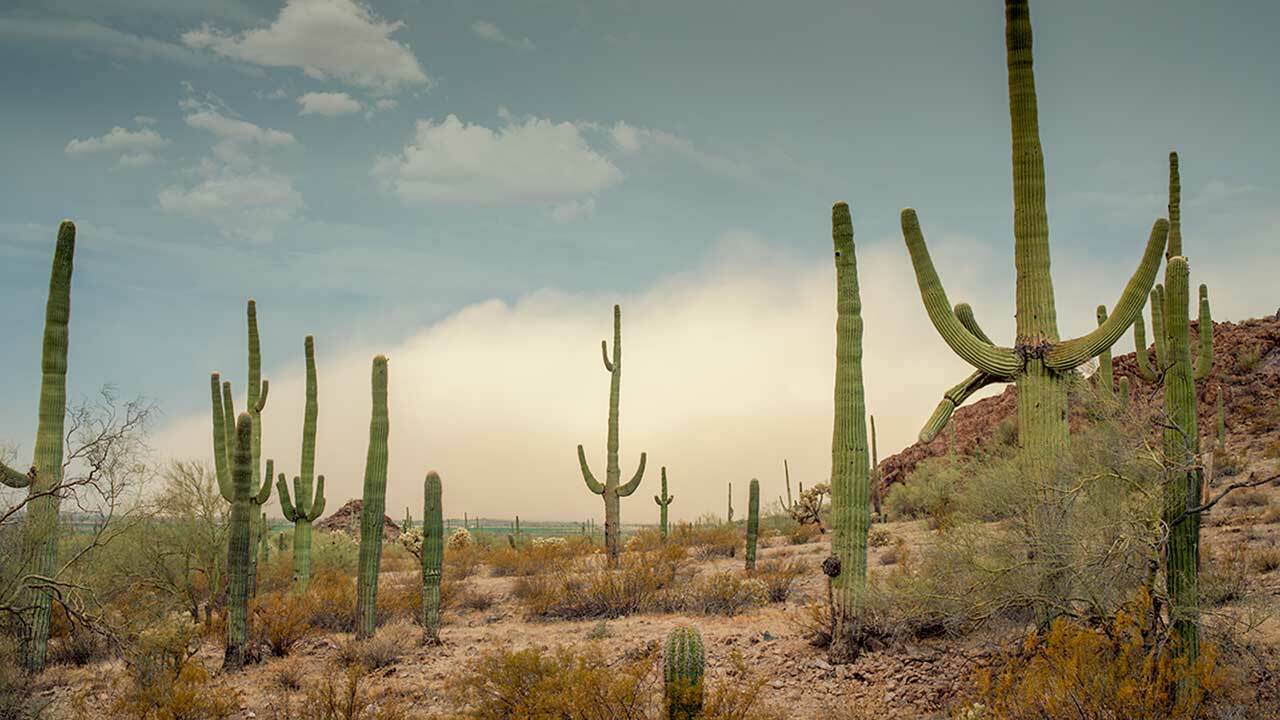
{"type": "Point", "coordinates": [611, 490]}
{"type": "Point", "coordinates": [45, 474]}
{"type": "Point", "coordinates": [239, 545]}
{"type": "Point", "coordinates": [373, 514]}
{"type": "Point", "coordinates": [1039, 363]}
{"type": "Point", "coordinates": [850, 471]}
{"type": "Point", "coordinates": [305, 508]}
{"type": "Point", "coordinates": [663, 501]}
{"type": "Point", "coordinates": [432, 556]}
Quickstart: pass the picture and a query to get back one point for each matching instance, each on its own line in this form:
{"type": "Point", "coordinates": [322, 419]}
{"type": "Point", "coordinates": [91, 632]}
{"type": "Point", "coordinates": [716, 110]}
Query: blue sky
{"type": "Point", "coordinates": [367, 170]}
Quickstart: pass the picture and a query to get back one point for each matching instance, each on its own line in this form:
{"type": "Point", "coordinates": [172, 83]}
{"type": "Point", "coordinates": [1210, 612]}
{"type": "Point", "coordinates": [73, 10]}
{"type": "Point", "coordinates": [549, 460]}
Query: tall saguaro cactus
{"type": "Point", "coordinates": [256, 401]}
{"type": "Point", "coordinates": [684, 662]}
{"type": "Point", "coordinates": [611, 490]}
{"type": "Point", "coordinates": [224, 448]}
{"type": "Point", "coordinates": [239, 545]}
{"type": "Point", "coordinates": [850, 481]}
{"type": "Point", "coordinates": [753, 522]}
{"type": "Point", "coordinates": [45, 474]}
{"type": "Point", "coordinates": [1039, 362]}
{"type": "Point", "coordinates": [305, 508]}
{"type": "Point", "coordinates": [432, 556]}
{"type": "Point", "coordinates": [663, 501]}
{"type": "Point", "coordinates": [375, 505]}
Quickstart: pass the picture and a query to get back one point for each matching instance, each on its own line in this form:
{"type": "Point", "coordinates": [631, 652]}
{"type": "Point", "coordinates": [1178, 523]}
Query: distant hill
{"type": "Point", "coordinates": [1246, 367]}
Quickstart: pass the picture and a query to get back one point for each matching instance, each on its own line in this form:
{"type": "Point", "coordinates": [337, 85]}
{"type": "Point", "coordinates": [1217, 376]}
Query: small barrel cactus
{"type": "Point", "coordinates": [683, 664]}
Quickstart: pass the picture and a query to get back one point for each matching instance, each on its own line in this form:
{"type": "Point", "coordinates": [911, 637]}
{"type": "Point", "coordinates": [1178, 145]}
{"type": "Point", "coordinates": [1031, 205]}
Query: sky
{"type": "Point", "coordinates": [468, 186]}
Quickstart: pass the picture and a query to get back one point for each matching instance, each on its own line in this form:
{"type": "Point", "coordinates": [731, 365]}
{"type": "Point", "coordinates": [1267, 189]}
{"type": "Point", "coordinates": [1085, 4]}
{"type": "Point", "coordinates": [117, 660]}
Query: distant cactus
{"type": "Point", "coordinates": [45, 474]}
{"type": "Point", "coordinates": [610, 490]}
{"type": "Point", "coordinates": [683, 664]}
{"type": "Point", "coordinates": [264, 541]}
{"type": "Point", "coordinates": [663, 501]}
{"type": "Point", "coordinates": [730, 515]}
{"type": "Point", "coordinates": [432, 556]}
{"type": "Point", "coordinates": [850, 469]}
{"type": "Point", "coordinates": [375, 503]}
{"type": "Point", "coordinates": [407, 524]}
{"type": "Point", "coordinates": [753, 522]}
{"type": "Point", "coordinates": [459, 539]}
{"type": "Point", "coordinates": [306, 508]}
{"type": "Point", "coordinates": [786, 472]}
{"type": "Point", "coordinates": [239, 545]}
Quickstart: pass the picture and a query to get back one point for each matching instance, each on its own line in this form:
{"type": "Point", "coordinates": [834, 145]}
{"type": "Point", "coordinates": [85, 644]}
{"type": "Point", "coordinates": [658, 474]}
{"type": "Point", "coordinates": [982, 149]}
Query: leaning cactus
{"type": "Point", "coordinates": [375, 504]}
{"type": "Point", "coordinates": [850, 470]}
{"type": "Point", "coordinates": [45, 474]}
{"type": "Point", "coordinates": [1039, 363]}
{"type": "Point", "coordinates": [753, 522]}
{"type": "Point", "coordinates": [239, 545]}
{"type": "Point", "coordinates": [306, 508]}
{"type": "Point", "coordinates": [611, 491]}
{"type": "Point", "coordinates": [432, 556]}
{"type": "Point", "coordinates": [683, 664]}
{"type": "Point", "coordinates": [663, 501]}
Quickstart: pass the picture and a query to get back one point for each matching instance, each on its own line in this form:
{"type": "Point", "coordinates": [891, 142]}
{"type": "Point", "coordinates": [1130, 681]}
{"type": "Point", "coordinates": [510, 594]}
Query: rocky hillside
{"type": "Point", "coordinates": [1246, 369]}
{"type": "Point", "coordinates": [347, 520]}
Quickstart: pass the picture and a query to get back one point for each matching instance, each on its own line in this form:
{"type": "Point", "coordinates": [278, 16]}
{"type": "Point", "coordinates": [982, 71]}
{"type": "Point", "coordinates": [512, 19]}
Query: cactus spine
{"type": "Point", "coordinates": [432, 556]}
{"type": "Point", "coordinates": [45, 474]}
{"type": "Point", "coordinates": [611, 491]}
{"type": "Point", "coordinates": [305, 508]}
{"type": "Point", "coordinates": [663, 501]}
{"type": "Point", "coordinates": [753, 522]}
{"type": "Point", "coordinates": [683, 663]}
{"type": "Point", "coordinates": [1039, 363]}
{"type": "Point", "coordinates": [375, 503]}
{"type": "Point", "coordinates": [850, 482]}
{"type": "Point", "coordinates": [239, 545]}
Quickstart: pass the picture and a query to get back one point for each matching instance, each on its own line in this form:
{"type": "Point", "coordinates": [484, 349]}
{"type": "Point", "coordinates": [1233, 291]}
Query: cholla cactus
{"type": "Point", "coordinates": [610, 489]}
{"type": "Point", "coordinates": [411, 541]}
{"type": "Point", "coordinates": [683, 665]}
{"type": "Point", "coordinates": [459, 539]}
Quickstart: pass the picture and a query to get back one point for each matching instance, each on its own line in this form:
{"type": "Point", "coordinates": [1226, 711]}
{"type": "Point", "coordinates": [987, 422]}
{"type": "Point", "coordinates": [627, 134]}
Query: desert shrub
{"type": "Point", "coordinates": [1126, 669]}
{"type": "Point", "coordinates": [386, 647]}
{"type": "Point", "coordinates": [399, 597]}
{"type": "Point", "coordinates": [779, 576]}
{"type": "Point", "coordinates": [636, 585]}
{"type": "Point", "coordinates": [644, 540]}
{"type": "Point", "coordinates": [723, 593]}
{"type": "Point", "coordinates": [281, 619]}
{"type": "Point", "coordinates": [802, 534]}
{"type": "Point", "coordinates": [1250, 497]}
{"type": "Point", "coordinates": [1248, 359]}
{"type": "Point", "coordinates": [928, 492]}
{"type": "Point", "coordinates": [79, 646]}
{"type": "Point", "coordinates": [1264, 560]}
{"type": "Point", "coordinates": [158, 654]}
{"type": "Point", "coordinates": [541, 555]}
{"type": "Point", "coordinates": [1223, 576]}
{"type": "Point", "coordinates": [531, 683]}
{"type": "Point", "coordinates": [333, 551]}
{"type": "Point", "coordinates": [331, 596]}
{"type": "Point", "coordinates": [896, 553]}
{"type": "Point", "coordinates": [287, 675]}
{"type": "Point", "coordinates": [706, 541]}
{"type": "Point", "coordinates": [879, 537]}
{"type": "Point", "coordinates": [341, 696]}
{"type": "Point", "coordinates": [475, 599]}
{"type": "Point", "coordinates": [461, 559]}
{"type": "Point", "coordinates": [1270, 516]}
{"type": "Point", "coordinates": [740, 696]}
{"type": "Point", "coordinates": [15, 687]}
{"type": "Point", "coordinates": [189, 695]}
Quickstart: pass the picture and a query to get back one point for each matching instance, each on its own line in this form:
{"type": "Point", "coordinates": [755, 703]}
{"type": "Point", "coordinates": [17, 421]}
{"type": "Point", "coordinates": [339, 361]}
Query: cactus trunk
{"type": "Point", "coordinates": [850, 486]}
{"type": "Point", "coordinates": [45, 474]}
{"type": "Point", "coordinates": [663, 501]}
{"type": "Point", "coordinates": [611, 490]}
{"type": "Point", "coordinates": [306, 507]}
{"type": "Point", "coordinates": [432, 556]}
{"type": "Point", "coordinates": [683, 664]}
{"type": "Point", "coordinates": [375, 501]}
{"type": "Point", "coordinates": [753, 523]}
{"type": "Point", "coordinates": [239, 547]}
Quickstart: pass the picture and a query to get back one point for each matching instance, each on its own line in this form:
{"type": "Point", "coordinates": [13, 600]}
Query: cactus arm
{"type": "Point", "coordinates": [1124, 391]}
{"type": "Point", "coordinates": [286, 507]}
{"type": "Point", "coordinates": [982, 355]}
{"type": "Point", "coordinates": [592, 484]}
{"type": "Point", "coordinates": [1144, 362]}
{"type": "Point", "coordinates": [634, 482]}
{"type": "Point", "coordinates": [964, 314]}
{"type": "Point", "coordinates": [221, 470]}
{"type": "Point", "coordinates": [14, 479]}
{"type": "Point", "coordinates": [262, 397]}
{"type": "Point", "coordinates": [1204, 357]}
{"type": "Point", "coordinates": [264, 492]}
{"type": "Point", "coordinates": [1106, 375]}
{"type": "Point", "coordinates": [604, 354]}
{"type": "Point", "coordinates": [229, 418]}
{"type": "Point", "coordinates": [1158, 327]}
{"type": "Point", "coordinates": [1072, 353]}
{"type": "Point", "coordinates": [317, 502]}
{"type": "Point", "coordinates": [954, 398]}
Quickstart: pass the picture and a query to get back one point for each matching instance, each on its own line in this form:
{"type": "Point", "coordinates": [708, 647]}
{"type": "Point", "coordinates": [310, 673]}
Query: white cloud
{"type": "Point", "coordinates": [574, 210]}
{"type": "Point", "coordinates": [338, 39]}
{"type": "Point", "coordinates": [236, 130]}
{"type": "Point", "coordinates": [386, 104]}
{"type": "Point", "coordinates": [530, 161]}
{"type": "Point", "coordinates": [131, 147]}
{"type": "Point", "coordinates": [327, 103]}
{"type": "Point", "coordinates": [630, 140]}
{"type": "Point", "coordinates": [491, 32]}
{"type": "Point", "coordinates": [93, 35]}
{"type": "Point", "coordinates": [144, 120]}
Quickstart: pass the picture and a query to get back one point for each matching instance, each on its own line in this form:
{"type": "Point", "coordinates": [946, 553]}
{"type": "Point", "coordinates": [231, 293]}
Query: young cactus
{"type": "Point", "coordinates": [683, 664]}
{"type": "Point", "coordinates": [239, 545]}
{"type": "Point", "coordinates": [663, 501]}
{"type": "Point", "coordinates": [850, 469]}
{"type": "Point", "coordinates": [610, 490]}
{"type": "Point", "coordinates": [753, 523]}
{"type": "Point", "coordinates": [45, 474]}
{"type": "Point", "coordinates": [432, 556]}
{"type": "Point", "coordinates": [375, 504]}
{"type": "Point", "coordinates": [305, 508]}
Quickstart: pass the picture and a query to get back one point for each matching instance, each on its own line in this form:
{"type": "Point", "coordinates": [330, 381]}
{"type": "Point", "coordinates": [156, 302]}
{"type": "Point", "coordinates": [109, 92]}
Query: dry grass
{"type": "Point", "coordinates": [281, 619]}
{"type": "Point", "coordinates": [1251, 497]}
{"type": "Point", "coordinates": [780, 576]}
{"type": "Point", "coordinates": [581, 592]}
{"type": "Point", "coordinates": [386, 647]}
